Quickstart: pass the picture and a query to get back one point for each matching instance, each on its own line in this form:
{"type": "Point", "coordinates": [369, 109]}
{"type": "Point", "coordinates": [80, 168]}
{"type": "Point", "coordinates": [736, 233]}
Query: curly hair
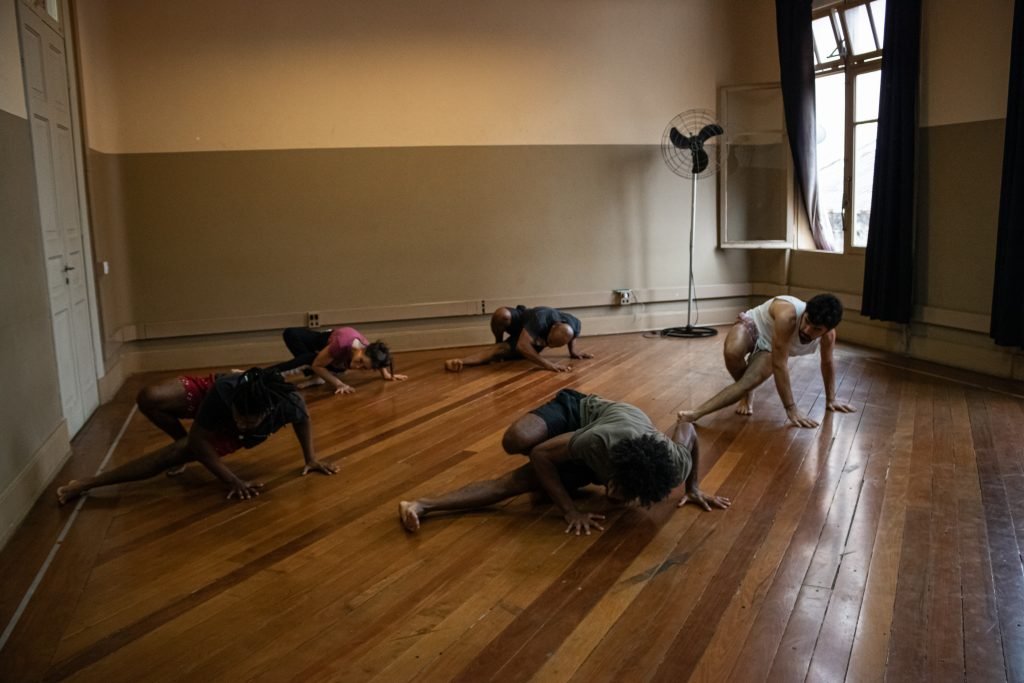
{"type": "Point", "coordinates": [644, 469]}
{"type": "Point", "coordinates": [825, 309]}
{"type": "Point", "coordinates": [379, 355]}
{"type": "Point", "coordinates": [259, 391]}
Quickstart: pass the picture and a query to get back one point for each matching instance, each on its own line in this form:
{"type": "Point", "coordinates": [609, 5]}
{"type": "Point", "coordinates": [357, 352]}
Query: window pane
{"type": "Point", "coordinates": [861, 38]}
{"type": "Point", "coordinates": [863, 174]}
{"type": "Point", "coordinates": [825, 39]}
{"type": "Point", "coordinates": [878, 14]}
{"type": "Point", "coordinates": [756, 187]}
{"type": "Point", "coordinates": [53, 9]}
{"type": "Point", "coordinates": [867, 88]}
{"type": "Point", "coordinates": [830, 98]}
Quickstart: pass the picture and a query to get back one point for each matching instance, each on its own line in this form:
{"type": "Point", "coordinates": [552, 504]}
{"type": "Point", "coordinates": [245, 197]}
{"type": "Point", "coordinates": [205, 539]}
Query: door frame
{"type": "Point", "coordinates": [64, 28]}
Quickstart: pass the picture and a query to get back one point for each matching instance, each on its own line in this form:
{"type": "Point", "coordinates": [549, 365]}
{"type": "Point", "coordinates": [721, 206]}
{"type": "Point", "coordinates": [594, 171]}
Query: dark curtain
{"type": "Point", "coordinates": [1008, 294]}
{"type": "Point", "coordinates": [796, 64]}
{"type": "Point", "coordinates": [889, 262]}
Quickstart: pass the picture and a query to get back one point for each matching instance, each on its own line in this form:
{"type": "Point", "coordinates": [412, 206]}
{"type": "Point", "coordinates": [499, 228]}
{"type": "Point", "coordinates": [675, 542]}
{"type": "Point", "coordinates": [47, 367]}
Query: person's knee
{"type": "Point", "coordinates": [147, 400]}
{"type": "Point", "coordinates": [514, 441]}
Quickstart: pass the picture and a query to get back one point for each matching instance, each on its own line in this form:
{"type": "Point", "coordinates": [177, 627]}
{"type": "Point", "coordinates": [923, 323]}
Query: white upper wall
{"type": "Point", "coordinates": [191, 75]}
{"type": "Point", "coordinates": [12, 88]}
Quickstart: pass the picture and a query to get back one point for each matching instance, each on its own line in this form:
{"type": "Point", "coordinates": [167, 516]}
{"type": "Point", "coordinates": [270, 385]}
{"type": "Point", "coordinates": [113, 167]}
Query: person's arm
{"type": "Point", "coordinates": [525, 347]}
{"type": "Point", "coordinates": [199, 442]}
{"type": "Point", "coordinates": [576, 355]}
{"type": "Point", "coordinates": [828, 375]}
{"type": "Point", "coordinates": [388, 377]}
{"type": "Point", "coordinates": [319, 367]}
{"type": "Point", "coordinates": [686, 436]}
{"type": "Point", "coordinates": [784, 315]}
{"type": "Point", "coordinates": [304, 433]}
{"type": "Point", "coordinates": [545, 458]}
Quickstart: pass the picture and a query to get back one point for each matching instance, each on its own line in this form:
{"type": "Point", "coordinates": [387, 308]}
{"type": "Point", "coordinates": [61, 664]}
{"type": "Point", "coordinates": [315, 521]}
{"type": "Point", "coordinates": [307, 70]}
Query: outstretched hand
{"type": "Point", "coordinates": [244, 490]}
{"type": "Point", "coordinates": [560, 367]}
{"type": "Point", "coordinates": [320, 467]}
{"type": "Point", "coordinates": [799, 419]}
{"type": "Point", "coordinates": [582, 521]}
{"type": "Point", "coordinates": [344, 389]}
{"type": "Point", "coordinates": [838, 407]}
{"type": "Point", "coordinates": [695, 495]}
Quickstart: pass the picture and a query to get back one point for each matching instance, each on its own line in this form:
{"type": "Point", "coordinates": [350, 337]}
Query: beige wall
{"type": "Point", "coordinates": [249, 162]}
{"type": "Point", "coordinates": [965, 60]}
{"type": "Point", "coordinates": [12, 90]}
{"type": "Point", "coordinates": [191, 75]}
{"type": "Point", "coordinates": [33, 440]}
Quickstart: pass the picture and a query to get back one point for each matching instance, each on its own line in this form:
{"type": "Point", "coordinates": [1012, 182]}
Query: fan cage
{"type": "Point", "coordinates": [679, 161]}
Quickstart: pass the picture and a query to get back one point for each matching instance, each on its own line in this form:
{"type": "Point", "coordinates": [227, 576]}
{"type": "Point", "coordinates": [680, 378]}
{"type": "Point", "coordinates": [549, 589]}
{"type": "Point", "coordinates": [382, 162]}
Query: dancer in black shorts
{"type": "Point", "coordinates": [530, 331]}
{"type": "Point", "coordinates": [575, 440]}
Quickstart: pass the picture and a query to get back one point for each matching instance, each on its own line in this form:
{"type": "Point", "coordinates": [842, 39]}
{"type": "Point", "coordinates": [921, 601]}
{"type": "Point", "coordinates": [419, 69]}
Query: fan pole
{"type": "Point", "coordinates": [690, 331]}
{"type": "Point", "coordinates": [693, 221]}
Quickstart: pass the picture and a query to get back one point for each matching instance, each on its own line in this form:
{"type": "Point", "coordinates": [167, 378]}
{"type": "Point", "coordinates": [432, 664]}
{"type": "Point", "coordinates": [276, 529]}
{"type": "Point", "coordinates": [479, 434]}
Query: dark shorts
{"type": "Point", "coordinates": [562, 413]}
{"type": "Point", "coordinates": [196, 389]}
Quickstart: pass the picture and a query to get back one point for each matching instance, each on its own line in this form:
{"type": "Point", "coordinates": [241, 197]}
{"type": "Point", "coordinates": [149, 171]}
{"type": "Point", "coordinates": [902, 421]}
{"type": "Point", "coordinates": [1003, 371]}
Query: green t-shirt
{"type": "Point", "coordinates": [605, 423]}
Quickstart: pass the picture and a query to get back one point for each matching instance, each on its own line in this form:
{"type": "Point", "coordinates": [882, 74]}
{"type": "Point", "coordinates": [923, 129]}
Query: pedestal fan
{"type": "Point", "coordinates": [688, 147]}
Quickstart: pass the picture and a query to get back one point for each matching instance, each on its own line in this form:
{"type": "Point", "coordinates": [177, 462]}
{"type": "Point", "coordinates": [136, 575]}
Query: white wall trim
{"type": "Point", "coordinates": [420, 311]}
{"type": "Point", "coordinates": [21, 494]}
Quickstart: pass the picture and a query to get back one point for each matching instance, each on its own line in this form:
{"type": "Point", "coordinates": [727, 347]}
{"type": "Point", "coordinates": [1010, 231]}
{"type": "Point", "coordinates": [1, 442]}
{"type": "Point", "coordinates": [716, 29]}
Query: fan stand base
{"type": "Point", "coordinates": [689, 332]}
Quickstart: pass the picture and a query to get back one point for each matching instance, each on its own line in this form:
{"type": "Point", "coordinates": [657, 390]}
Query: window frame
{"type": "Point", "coordinates": [852, 66]}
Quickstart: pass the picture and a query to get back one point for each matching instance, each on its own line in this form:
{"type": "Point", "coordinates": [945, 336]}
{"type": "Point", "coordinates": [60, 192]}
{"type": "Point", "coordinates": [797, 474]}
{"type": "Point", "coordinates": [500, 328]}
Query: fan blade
{"type": "Point", "coordinates": [700, 161]}
{"type": "Point", "coordinates": [709, 131]}
{"type": "Point", "coordinates": [678, 139]}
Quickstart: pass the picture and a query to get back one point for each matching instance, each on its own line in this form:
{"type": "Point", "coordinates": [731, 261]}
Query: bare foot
{"type": "Point", "coordinates": [745, 406]}
{"type": "Point", "coordinates": [453, 365]}
{"type": "Point", "coordinates": [409, 513]}
{"type": "Point", "coordinates": [175, 471]}
{"type": "Point", "coordinates": [687, 416]}
{"type": "Point", "coordinates": [69, 492]}
{"type": "Point", "coordinates": [313, 382]}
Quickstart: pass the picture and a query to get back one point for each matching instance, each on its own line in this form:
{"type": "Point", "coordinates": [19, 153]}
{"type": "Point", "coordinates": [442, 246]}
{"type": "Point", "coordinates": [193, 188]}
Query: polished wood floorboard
{"type": "Point", "coordinates": [884, 545]}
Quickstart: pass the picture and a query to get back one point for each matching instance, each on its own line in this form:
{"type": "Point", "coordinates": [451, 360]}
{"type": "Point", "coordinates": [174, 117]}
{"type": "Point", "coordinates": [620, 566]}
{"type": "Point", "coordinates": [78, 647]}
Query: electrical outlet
{"type": "Point", "coordinates": [624, 297]}
{"type": "Point", "coordinates": [313, 319]}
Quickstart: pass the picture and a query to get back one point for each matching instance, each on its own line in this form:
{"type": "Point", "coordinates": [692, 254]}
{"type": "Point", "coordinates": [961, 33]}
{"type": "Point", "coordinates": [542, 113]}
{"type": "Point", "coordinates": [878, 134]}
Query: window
{"type": "Point", "coordinates": [847, 63]}
{"type": "Point", "coordinates": [755, 185]}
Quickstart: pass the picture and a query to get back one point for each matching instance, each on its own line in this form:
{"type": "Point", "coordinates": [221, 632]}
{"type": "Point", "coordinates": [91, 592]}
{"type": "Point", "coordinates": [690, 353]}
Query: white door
{"type": "Point", "coordinates": [53, 142]}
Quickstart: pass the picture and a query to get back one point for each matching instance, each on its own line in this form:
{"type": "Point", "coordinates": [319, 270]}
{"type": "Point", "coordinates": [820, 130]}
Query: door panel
{"type": "Point", "coordinates": [53, 146]}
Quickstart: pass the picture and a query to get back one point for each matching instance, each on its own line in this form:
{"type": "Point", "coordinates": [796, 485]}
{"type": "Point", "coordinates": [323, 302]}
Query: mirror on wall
{"type": "Point", "coordinates": [756, 186]}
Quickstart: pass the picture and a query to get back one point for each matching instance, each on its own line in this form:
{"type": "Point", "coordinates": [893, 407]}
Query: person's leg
{"type": "Point", "coordinates": [482, 357]}
{"type": "Point", "coordinates": [146, 467]}
{"type": "Point", "coordinates": [738, 348]}
{"type": "Point", "coordinates": [476, 495]}
{"type": "Point", "coordinates": [500, 321]}
{"type": "Point", "coordinates": [304, 344]}
{"type": "Point", "coordinates": [759, 369]}
{"type": "Point", "coordinates": [302, 340]}
{"type": "Point", "coordinates": [525, 433]}
{"type": "Point", "coordinates": [166, 404]}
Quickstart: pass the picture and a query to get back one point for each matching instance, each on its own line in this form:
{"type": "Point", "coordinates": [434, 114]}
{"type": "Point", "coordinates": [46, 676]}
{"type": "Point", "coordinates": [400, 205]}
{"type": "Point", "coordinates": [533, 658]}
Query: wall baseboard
{"type": "Point", "coordinates": [22, 493]}
{"type": "Point", "coordinates": [249, 348]}
{"type": "Point", "coordinates": [948, 337]}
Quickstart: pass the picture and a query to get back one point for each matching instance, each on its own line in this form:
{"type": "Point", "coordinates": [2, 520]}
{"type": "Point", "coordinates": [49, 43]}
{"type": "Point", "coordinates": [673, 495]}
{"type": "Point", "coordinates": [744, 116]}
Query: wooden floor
{"type": "Point", "coordinates": [885, 544]}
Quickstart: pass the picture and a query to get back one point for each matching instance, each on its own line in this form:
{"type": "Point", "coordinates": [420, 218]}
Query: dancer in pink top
{"type": "Point", "coordinates": [326, 354]}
